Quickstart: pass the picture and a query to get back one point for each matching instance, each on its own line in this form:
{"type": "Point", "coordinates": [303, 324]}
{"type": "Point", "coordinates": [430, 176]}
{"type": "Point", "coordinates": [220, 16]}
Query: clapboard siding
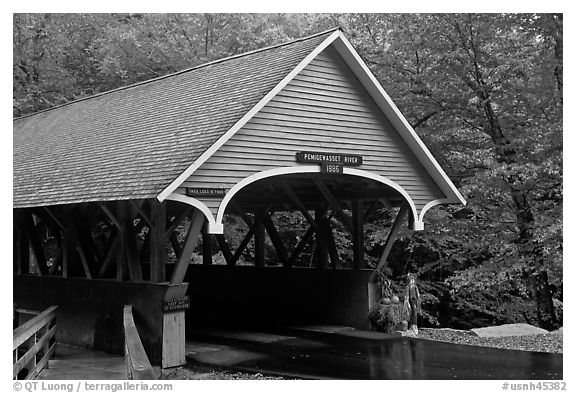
{"type": "Point", "coordinates": [293, 91]}
{"type": "Point", "coordinates": [324, 108]}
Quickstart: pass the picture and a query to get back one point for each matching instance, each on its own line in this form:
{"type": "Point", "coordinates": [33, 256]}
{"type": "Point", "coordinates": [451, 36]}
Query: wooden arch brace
{"type": "Point", "coordinates": [216, 226]}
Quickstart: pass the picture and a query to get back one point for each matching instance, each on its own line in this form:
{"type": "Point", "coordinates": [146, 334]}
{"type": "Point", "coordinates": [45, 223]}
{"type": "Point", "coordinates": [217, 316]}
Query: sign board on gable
{"type": "Point", "coordinates": [328, 158]}
{"type": "Point", "coordinates": [206, 192]}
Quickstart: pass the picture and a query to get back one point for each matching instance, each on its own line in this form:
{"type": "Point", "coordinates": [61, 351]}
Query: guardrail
{"type": "Point", "coordinates": [137, 364]}
{"type": "Point", "coordinates": [34, 344]}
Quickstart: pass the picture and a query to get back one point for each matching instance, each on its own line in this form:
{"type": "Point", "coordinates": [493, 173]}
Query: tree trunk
{"type": "Point", "coordinates": [547, 318]}
{"type": "Point", "coordinates": [558, 51]}
{"type": "Point", "coordinates": [537, 275]}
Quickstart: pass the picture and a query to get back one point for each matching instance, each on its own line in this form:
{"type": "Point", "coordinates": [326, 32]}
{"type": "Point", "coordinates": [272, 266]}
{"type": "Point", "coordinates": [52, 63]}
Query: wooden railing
{"type": "Point", "coordinates": [34, 344]}
{"type": "Point", "coordinates": [137, 364]}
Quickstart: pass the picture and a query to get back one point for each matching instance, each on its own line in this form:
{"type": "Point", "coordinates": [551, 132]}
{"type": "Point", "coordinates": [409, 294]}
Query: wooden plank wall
{"type": "Point", "coordinates": [325, 108]}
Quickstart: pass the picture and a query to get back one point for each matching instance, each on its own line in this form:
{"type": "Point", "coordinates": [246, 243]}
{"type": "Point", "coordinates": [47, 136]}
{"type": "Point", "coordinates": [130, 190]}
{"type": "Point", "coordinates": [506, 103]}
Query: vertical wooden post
{"type": "Point", "coordinates": [24, 253]}
{"type": "Point", "coordinates": [130, 250]}
{"type": "Point", "coordinates": [259, 239]}
{"type": "Point", "coordinates": [46, 346]}
{"type": "Point", "coordinates": [121, 250]}
{"type": "Point", "coordinates": [358, 234]}
{"type": "Point", "coordinates": [157, 238]}
{"type": "Point", "coordinates": [35, 244]}
{"type": "Point", "coordinates": [206, 245]}
{"type": "Point", "coordinates": [35, 360]}
{"type": "Point", "coordinates": [321, 244]}
{"type": "Point", "coordinates": [16, 257]}
{"type": "Point", "coordinates": [174, 331]}
{"type": "Point", "coordinates": [66, 251]}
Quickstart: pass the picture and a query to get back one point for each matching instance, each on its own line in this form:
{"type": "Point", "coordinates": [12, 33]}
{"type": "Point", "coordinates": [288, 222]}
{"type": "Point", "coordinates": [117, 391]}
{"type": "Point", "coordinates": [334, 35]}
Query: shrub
{"type": "Point", "coordinates": [387, 317]}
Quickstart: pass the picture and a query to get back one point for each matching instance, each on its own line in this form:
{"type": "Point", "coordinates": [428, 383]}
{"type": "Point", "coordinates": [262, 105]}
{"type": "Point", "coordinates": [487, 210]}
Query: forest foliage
{"type": "Point", "coordinates": [484, 91]}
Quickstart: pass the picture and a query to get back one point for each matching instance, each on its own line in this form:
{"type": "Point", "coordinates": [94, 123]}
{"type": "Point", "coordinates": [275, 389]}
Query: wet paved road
{"type": "Point", "coordinates": [72, 362]}
{"type": "Point", "coordinates": [330, 352]}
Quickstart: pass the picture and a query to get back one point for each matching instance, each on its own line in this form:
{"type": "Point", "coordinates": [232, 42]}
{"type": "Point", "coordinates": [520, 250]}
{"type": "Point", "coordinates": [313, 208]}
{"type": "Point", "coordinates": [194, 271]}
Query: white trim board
{"type": "Point", "coordinates": [213, 227]}
{"type": "Point", "coordinates": [418, 225]}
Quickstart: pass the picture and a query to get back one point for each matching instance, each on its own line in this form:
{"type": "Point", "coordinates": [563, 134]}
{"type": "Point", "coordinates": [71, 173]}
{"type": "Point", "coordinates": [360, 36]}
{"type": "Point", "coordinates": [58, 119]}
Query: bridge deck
{"type": "Point", "coordinates": [72, 362]}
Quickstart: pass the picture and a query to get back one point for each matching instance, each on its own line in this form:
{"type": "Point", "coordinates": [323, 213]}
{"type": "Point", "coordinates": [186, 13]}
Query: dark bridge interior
{"type": "Point", "coordinates": [310, 190]}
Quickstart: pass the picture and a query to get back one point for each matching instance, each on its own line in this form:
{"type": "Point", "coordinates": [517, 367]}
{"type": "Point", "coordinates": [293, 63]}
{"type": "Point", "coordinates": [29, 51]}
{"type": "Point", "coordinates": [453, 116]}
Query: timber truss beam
{"type": "Point", "coordinates": [394, 230]}
{"type": "Point", "coordinates": [131, 235]}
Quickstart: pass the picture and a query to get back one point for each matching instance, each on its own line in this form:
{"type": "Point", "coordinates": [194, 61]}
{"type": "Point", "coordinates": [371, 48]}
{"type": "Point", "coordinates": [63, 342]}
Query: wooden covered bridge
{"type": "Point", "coordinates": [112, 194]}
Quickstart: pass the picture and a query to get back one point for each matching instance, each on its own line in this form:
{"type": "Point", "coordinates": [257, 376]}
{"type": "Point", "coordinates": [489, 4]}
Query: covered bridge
{"type": "Point", "coordinates": [113, 192]}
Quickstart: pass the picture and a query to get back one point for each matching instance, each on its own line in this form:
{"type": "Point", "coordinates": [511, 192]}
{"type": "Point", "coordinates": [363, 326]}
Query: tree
{"type": "Point", "coordinates": [485, 92]}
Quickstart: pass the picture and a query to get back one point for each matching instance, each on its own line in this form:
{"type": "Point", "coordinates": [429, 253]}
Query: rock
{"type": "Point", "coordinates": [395, 299]}
{"type": "Point", "coordinates": [458, 331]}
{"type": "Point", "coordinates": [558, 331]}
{"type": "Point", "coordinates": [512, 329]}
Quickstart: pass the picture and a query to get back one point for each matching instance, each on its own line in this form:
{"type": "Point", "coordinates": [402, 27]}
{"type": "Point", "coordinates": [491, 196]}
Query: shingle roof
{"type": "Point", "coordinates": [130, 143]}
